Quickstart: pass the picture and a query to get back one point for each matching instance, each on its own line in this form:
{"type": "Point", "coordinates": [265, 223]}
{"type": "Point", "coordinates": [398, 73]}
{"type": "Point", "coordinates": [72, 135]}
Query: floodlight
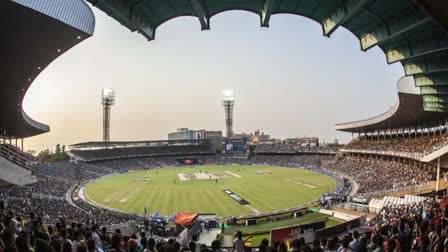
{"type": "Point", "coordinates": [228, 95]}
{"type": "Point", "coordinates": [108, 93]}
{"type": "Point", "coordinates": [107, 99]}
{"type": "Point", "coordinates": [228, 101]}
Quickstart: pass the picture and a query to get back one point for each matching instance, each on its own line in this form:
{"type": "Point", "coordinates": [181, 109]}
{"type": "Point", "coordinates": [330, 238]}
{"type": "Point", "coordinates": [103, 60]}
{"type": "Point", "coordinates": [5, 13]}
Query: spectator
{"type": "Point", "coordinates": [238, 243]}
{"type": "Point", "coordinates": [91, 247]}
{"type": "Point", "coordinates": [354, 244]}
{"type": "Point", "coordinates": [152, 243]}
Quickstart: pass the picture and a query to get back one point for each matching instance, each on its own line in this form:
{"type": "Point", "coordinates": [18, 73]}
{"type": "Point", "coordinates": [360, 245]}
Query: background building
{"type": "Point", "coordinates": [304, 141]}
{"type": "Point", "coordinates": [258, 137]}
{"type": "Point", "coordinates": [183, 134]}
{"type": "Point", "coordinates": [215, 137]}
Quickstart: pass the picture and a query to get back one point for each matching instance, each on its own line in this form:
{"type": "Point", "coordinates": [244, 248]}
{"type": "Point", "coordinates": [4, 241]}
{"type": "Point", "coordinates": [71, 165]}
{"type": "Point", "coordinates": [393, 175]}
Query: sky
{"type": "Point", "coordinates": [289, 81]}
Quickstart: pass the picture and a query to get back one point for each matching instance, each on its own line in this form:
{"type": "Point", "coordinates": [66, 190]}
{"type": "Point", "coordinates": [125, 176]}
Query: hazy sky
{"type": "Point", "coordinates": [289, 80]}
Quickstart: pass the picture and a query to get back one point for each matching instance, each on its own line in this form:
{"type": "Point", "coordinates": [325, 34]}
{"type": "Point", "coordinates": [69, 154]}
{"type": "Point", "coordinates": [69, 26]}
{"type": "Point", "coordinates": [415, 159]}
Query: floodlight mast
{"type": "Point", "coordinates": [108, 99]}
{"type": "Point", "coordinates": [228, 102]}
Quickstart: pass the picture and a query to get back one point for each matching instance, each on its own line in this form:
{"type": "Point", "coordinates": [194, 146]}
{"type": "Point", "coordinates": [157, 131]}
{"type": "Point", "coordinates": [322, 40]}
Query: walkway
{"type": "Point", "coordinates": [207, 238]}
{"type": "Point", "coordinates": [227, 242]}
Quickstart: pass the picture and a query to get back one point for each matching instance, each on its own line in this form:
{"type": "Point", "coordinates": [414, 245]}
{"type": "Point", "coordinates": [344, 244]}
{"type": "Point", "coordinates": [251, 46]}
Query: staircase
{"type": "Point", "coordinates": [16, 165]}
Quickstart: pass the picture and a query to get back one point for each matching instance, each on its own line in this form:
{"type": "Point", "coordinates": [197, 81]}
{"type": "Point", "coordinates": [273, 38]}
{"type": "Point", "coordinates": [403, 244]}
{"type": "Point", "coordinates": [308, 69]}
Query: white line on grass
{"type": "Point", "coordinates": [233, 174]}
{"type": "Point", "coordinates": [253, 209]}
{"type": "Point", "coordinates": [300, 183]}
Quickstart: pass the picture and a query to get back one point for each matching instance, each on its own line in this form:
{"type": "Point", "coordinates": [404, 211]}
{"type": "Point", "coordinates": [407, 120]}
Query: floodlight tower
{"type": "Point", "coordinates": [228, 102]}
{"type": "Point", "coordinates": [108, 99]}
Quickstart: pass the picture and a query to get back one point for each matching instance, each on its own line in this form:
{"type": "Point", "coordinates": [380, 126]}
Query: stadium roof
{"type": "Point", "coordinates": [130, 144]}
{"type": "Point", "coordinates": [412, 32]}
{"type": "Point", "coordinates": [407, 112]}
{"type": "Point", "coordinates": [34, 33]}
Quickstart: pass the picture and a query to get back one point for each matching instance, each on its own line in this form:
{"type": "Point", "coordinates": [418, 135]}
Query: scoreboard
{"type": "Point", "coordinates": [236, 145]}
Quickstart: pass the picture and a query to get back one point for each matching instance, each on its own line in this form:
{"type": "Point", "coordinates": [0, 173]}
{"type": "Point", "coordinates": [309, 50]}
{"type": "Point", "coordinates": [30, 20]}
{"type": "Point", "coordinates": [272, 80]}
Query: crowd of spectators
{"type": "Point", "coordinates": [70, 172]}
{"type": "Point", "coordinates": [372, 175]}
{"type": "Point", "coordinates": [278, 148]}
{"type": "Point", "coordinates": [413, 227]}
{"type": "Point", "coordinates": [59, 187]}
{"type": "Point", "coordinates": [392, 214]}
{"type": "Point", "coordinates": [240, 158]}
{"type": "Point", "coordinates": [30, 234]}
{"type": "Point", "coordinates": [378, 175]}
{"type": "Point", "coordinates": [301, 161]}
{"type": "Point", "coordinates": [121, 165]}
{"type": "Point", "coordinates": [417, 145]}
{"type": "Point", "coordinates": [47, 197]}
{"type": "Point", "coordinates": [397, 228]}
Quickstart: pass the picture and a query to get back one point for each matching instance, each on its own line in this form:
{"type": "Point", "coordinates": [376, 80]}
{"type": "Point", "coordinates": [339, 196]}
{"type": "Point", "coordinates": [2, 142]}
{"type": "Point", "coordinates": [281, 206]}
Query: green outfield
{"type": "Point", "coordinates": [201, 189]}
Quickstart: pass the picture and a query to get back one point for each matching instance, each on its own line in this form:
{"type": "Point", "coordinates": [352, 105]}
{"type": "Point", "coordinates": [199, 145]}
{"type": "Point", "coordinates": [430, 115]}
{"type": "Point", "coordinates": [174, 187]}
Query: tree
{"type": "Point", "coordinates": [31, 152]}
{"type": "Point", "coordinates": [58, 149]}
{"type": "Point", "coordinates": [48, 156]}
{"type": "Point", "coordinates": [45, 155]}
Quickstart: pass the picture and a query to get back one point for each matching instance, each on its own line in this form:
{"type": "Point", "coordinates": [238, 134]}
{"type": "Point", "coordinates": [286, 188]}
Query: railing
{"type": "Point", "coordinates": [46, 196]}
{"type": "Point", "coordinates": [195, 230]}
{"type": "Point", "coordinates": [17, 156]}
{"type": "Point", "coordinates": [298, 151]}
{"type": "Point", "coordinates": [415, 156]}
{"type": "Point", "coordinates": [398, 189]}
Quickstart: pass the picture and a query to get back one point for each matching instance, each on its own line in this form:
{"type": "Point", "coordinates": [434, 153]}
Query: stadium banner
{"type": "Point", "coordinates": [288, 234]}
{"type": "Point", "coordinates": [341, 228]}
{"type": "Point", "coordinates": [187, 161]}
{"type": "Point", "coordinates": [236, 197]}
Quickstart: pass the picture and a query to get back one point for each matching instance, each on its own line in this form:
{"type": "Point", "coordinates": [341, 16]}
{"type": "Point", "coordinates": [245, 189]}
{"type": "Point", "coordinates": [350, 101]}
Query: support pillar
{"type": "Point", "coordinates": [438, 174]}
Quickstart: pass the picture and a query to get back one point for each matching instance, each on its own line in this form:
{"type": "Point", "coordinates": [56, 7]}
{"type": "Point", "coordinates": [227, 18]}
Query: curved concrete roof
{"type": "Point", "coordinates": [407, 112]}
{"type": "Point", "coordinates": [34, 33]}
{"type": "Point", "coordinates": [413, 33]}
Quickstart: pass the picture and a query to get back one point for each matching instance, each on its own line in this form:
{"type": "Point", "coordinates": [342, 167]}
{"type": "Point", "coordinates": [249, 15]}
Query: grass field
{"type": "Point", "coordinates": [162, 190]}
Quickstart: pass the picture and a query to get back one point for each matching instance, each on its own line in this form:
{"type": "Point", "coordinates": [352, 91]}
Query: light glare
{"type": "Point", "coordinates": [228, 95]}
